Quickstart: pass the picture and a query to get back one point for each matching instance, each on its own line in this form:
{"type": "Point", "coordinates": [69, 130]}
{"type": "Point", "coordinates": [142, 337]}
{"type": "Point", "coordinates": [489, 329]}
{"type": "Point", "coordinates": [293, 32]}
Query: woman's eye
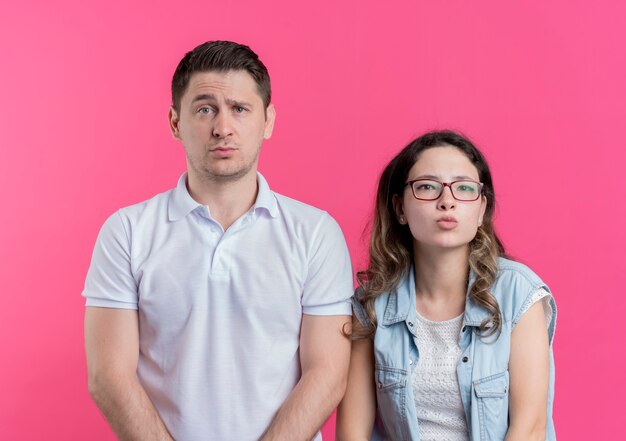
{"type": "Point", "coordinates": [466, 188]}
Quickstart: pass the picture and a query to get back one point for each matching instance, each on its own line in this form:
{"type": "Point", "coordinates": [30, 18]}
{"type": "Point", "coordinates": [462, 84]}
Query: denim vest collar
{"type": "Point", "coordinates": [402, 306]}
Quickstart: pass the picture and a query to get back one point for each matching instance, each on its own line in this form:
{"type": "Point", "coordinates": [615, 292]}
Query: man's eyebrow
{"type": "Point", "coordinates": [229, 101]}
{"type": "Point", "coordinates": [203, 97]}
{"type": "Point", "coordinates": [232, 102]}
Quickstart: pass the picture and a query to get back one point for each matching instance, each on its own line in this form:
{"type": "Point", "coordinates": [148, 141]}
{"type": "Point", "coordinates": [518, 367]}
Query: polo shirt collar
{"type": "Point", "coordinates": [265, 198]}
{"type": "Point", "coordinates": [181, 203]}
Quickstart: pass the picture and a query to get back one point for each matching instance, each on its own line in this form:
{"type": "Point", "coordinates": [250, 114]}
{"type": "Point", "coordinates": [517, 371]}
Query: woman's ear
{"type": "Point", "coordinates": [399, 209]}
{"type": "Point", "coordinates": [483, 207]}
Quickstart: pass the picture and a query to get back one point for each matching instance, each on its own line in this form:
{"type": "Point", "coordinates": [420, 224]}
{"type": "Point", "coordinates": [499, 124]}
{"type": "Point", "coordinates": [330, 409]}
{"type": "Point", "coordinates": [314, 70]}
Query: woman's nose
{"type": "Point", "coordinates": [446, 200]}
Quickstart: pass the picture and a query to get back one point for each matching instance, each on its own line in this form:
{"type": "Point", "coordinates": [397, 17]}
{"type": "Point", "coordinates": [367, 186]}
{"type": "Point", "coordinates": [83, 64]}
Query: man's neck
{"type": "Point", "coordinates": [228, 200]}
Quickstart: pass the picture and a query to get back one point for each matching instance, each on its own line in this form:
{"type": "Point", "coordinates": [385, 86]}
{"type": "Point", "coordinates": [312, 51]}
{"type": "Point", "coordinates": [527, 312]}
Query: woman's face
{"type": "Point", "coordinates": [444, 223]}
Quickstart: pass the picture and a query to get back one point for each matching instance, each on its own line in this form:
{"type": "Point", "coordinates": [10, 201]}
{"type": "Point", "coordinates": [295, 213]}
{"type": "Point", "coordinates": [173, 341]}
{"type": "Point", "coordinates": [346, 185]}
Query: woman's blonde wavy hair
{"type": "Point", "coordinates": [391, 243]}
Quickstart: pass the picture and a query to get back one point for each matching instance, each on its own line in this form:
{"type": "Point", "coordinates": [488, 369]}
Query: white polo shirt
{"type": "Point", "coordinates": [220, 312]}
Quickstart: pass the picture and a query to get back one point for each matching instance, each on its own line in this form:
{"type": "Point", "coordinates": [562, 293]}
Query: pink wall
{"type": "Point", "coordinates": [539, 85]}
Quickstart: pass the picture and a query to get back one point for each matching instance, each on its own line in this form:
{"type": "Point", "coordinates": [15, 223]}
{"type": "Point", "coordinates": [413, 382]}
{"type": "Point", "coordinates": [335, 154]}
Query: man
{"type": "Point", "coordinates": [215, 310]}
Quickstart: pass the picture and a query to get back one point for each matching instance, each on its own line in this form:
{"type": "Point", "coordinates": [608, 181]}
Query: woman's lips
{"type": "Point", "coordinates": [447, 223]}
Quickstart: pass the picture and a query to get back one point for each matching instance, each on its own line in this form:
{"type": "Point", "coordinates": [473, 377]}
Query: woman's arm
{"type": "Point", "coordinates": [529, 369]}
{"type": "Point", "coordinates": [357, 410]}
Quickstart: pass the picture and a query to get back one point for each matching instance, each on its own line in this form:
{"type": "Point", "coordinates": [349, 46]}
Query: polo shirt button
{"type": "Point", "coordinates": [410, 361]}
{"type": "Point", "coordinates": [465, 359]}
{"type": "Point", "coordinates": [380, 385]}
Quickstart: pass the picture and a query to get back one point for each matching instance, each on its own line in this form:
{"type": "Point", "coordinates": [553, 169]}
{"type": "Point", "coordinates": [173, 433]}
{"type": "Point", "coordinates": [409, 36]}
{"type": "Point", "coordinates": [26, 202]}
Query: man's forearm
{"type": "Point", "coordinates": [313, 399]}
{"type": "Point", "coordinates": [128, 409]}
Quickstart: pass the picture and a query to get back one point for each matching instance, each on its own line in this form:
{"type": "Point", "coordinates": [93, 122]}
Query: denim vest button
{"type": "Point", "coordinates": [410, 324]}
{"type": "Point", "coordinates": [465, 359]}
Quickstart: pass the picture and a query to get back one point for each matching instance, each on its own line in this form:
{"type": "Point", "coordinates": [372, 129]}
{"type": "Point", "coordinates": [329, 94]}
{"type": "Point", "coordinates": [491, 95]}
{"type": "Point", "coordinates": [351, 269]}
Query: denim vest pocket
{"type": "Point", "coordinates": [391, 386]}
{"type": "Point", "coordinates": [492, 395]}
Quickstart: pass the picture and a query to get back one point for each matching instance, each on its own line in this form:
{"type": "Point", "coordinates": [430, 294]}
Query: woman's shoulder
{"type": "Point", "coordinates": [511, 271]}
{"type": "Point", "coordinates": [516, 285]}
{"type": "Point", "coordinates": [379, 302]}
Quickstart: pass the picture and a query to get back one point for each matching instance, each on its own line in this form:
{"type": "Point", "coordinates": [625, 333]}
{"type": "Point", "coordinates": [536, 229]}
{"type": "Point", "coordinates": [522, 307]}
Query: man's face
{"type": "Point", "coordinates": [222, 123]}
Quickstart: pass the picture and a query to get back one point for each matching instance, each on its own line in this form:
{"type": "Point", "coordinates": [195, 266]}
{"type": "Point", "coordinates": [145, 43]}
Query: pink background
{"type": "Point", "coordinates": [540, 86]}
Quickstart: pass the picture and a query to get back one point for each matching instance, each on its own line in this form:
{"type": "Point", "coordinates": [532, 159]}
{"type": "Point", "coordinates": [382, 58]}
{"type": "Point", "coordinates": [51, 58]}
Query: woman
{"type": "Point", "coordinates": [451, 341]}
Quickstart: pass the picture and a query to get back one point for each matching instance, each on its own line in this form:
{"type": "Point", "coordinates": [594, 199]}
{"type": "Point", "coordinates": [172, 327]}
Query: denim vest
{"type": "Point", "coordinates": [482, 370]}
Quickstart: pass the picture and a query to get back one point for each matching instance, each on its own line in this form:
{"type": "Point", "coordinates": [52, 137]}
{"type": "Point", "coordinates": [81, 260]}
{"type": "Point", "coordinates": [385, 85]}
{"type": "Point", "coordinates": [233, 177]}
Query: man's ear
{"type": "Point", "coordinates": [270, 118]}
{"type": "Point", "coordinates": [172, 116]}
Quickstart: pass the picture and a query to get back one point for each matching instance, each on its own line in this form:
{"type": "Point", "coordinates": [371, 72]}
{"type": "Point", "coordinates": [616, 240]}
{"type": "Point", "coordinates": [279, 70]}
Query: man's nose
{"type": "Point", "coordinates": [222, 125]}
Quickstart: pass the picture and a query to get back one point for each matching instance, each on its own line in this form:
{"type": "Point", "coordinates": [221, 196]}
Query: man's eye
{"type": "Point", "coordinates": [204, 110]}
{"type": "Point", "coordinates": [239, 109]}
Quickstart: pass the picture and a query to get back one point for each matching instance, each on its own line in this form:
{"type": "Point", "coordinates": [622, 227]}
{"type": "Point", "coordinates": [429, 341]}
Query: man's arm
{"type": "Point", "coordinates": [112, 348]}
{"type": "Point", "coordinates": [324, 359]}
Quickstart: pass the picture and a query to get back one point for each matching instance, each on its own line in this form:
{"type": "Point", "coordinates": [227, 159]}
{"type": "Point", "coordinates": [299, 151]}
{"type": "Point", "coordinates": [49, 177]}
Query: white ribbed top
{"type": "Point", "coordinates": [435, 385]}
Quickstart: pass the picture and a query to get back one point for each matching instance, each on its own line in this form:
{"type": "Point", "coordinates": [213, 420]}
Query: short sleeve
{"type": "Point", "coordinates": [549, 308]}
{"type": "Point", "coordinates": [110, 282]}
{"type": "Point", "coordinates": [328, 285]}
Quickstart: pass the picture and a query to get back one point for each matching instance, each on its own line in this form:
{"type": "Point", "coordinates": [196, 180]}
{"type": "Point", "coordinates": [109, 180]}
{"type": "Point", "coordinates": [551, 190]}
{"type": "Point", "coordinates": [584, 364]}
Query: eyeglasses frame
{"type": "Point", "coordinates": [443, 187]}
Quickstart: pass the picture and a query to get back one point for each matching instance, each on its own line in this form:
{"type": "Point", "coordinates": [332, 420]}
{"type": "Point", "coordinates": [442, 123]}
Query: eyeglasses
{"type": "Point", "coordinates": [431, 189]}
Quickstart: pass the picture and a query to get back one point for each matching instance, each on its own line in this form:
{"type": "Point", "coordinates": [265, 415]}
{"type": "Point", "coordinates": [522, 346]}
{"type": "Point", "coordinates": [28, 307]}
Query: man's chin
{"type": "Point", "coordinates": [229, 175]}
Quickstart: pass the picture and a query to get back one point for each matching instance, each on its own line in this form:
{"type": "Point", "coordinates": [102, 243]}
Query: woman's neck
{"type": "Point", "coordinates": [440, 282]}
